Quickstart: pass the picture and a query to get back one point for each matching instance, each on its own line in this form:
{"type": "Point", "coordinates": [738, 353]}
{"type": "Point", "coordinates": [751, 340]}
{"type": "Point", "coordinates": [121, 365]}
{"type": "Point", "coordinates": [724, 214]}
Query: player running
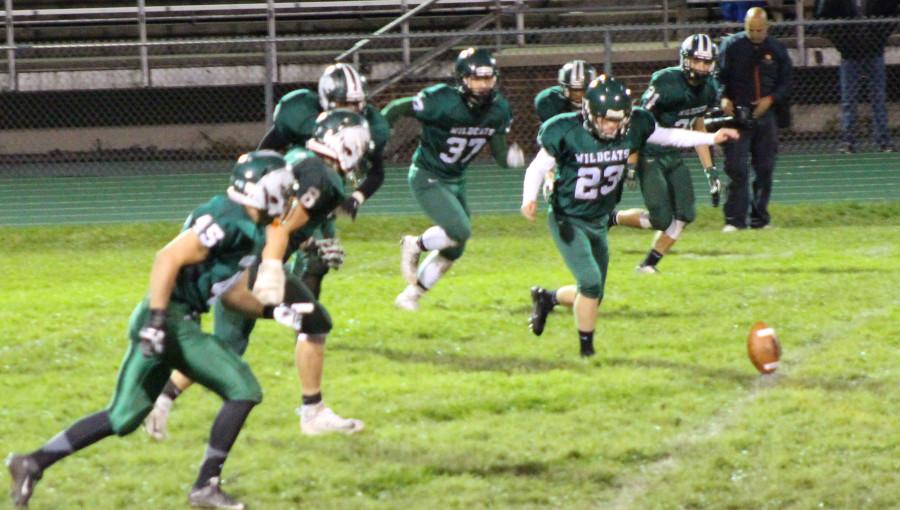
{"type": "Point", "coordinates": [679, 97]}
{"type": "Point", "coordinates": [457, 122]}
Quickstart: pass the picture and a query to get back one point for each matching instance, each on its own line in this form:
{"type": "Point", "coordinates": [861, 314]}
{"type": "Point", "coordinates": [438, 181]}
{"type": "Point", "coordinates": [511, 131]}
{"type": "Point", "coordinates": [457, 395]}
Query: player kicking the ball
{"type": "Point", "coordinates": [591, 152]}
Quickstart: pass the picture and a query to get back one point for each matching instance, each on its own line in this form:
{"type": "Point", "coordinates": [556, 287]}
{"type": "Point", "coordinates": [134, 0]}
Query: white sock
{"type": "Point", "coordinates": [433, 268]}
{"type": "Point", "coordinates": [163, 402]}
{"type": "Point", "coordinates": [436, 238]}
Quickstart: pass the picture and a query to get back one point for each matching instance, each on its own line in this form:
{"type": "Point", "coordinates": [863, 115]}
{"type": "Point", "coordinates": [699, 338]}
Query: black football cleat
{"type": "Point", "coordinates": [587, 348]}
{"type": "Point", "coordinates": [211, 496]}
{"type": "Point", "coordinates": [542, 303]}
{"type": "Point", "coordinates": [25, 473]}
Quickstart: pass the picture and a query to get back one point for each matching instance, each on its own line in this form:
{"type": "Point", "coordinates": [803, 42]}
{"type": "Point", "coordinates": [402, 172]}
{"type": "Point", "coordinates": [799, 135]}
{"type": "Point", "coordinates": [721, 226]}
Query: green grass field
{"type": "Point", "coordinates": [464, 408]}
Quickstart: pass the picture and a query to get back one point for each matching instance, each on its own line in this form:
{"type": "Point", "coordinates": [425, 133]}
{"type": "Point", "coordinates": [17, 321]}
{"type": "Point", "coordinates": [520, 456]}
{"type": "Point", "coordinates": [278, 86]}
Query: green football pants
{"type": "Point", "coordinates": [189, 350]}
{"type": "Point", "coordinates": [445, 203]}
{"type": "Point", "coordinates": [585, 250]}
{"type": "Point", "coordinates": [667, 190]}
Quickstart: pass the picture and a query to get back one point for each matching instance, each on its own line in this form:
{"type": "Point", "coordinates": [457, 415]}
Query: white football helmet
{"type": "Point", "coordinates": [262, 180]}
{"type": "Point", "coordinates": [343, 136]}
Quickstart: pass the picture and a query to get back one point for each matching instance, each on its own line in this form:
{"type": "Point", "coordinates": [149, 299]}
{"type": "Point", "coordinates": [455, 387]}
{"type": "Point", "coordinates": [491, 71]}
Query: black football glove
{"type": "Point", "coordinates": [715, 186]}
{"type": "Point", "coordinates": [153, 334]}
{"type": "Point", "coordinates": [350, 207]}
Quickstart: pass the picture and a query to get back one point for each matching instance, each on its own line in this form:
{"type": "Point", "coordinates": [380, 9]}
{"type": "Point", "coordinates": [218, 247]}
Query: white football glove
{"type": "Point", "coordinates": [270, 280]}
{"type": "Point", "coordinates": [331, 251]}
{"type": "Point", "coordinates": [547, 187]}
{"type": "Point", "coordinates": [515, 158]}
{"type": "Point", "coordinates": [292, 315]}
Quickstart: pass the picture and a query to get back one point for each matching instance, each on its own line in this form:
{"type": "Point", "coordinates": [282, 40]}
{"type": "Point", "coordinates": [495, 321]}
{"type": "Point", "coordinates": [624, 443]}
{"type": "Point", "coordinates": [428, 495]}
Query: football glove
{"type": "Point", "coordinates": [350, 207]}
{"type": "Point", "coordinates": [630, 176]}
{"type": "Point", "coordinates": [331, 252]}
{"type": "Point", "coordinates": [291, 315]}
{"type": "Point", "coordinates": [153, 334]}
{"type": "Point", "coordinates": [547, 187]}
{"type": "Point", "coordinates": [715, 187]}
{"type": "Point", "coordinates": [515, 158]}
{"type": "Point", "coordinates": [269, 285]}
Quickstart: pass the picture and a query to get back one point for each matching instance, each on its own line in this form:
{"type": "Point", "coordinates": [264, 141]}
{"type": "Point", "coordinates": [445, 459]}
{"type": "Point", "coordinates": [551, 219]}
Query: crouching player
{"type": "Point", "coordinates": [340, 139]}
{"type": "Point", "coordinates": [205, 262]}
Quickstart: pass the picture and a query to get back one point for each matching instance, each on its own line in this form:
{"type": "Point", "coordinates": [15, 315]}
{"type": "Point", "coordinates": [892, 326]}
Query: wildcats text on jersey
{"type": "Point", "coordinates": [472, 131]}
{"type": "Point", "coordinates": [610, 156]}
{"type": "Point", "coordinates": [693, 111]}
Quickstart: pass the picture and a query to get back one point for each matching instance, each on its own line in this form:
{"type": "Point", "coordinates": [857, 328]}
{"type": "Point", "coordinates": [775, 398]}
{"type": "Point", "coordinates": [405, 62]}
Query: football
{"type": "Point", "coordinates": [763, 348]}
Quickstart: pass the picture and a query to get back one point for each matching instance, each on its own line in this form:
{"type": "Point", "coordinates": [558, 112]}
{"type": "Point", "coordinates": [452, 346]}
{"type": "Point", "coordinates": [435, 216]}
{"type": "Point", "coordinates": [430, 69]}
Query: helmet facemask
{"type": "Point", "coordinates": [574, 77]}
{"type": "Point", "coordinates": [695, 50]}
{"type": "Point", "coordinates": [477, 75]}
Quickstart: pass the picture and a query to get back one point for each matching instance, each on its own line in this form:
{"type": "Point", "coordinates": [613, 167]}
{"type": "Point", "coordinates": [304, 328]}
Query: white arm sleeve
{"type": "Point", "coordinates": [534, 175]}
{"type": "Point", "coordinates": [675, 137]}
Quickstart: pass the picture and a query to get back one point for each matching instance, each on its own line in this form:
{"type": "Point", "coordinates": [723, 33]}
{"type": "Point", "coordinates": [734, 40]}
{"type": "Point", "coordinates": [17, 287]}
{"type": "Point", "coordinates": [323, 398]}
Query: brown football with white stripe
{"type": "Point", "coordinates": [763, 348]}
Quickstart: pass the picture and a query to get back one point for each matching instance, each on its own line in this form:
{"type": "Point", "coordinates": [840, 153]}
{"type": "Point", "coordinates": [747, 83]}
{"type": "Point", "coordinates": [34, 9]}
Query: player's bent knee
{"type": "Point", "coordinates": [660, 219]}
{"type": "Point", "coordinates": [454, 253]}
{"type": "Point", "coordinates": [314, 339]}
{"type": "Point", "coordinates": [591, 290]}
{"type": "Point", "coordinates": [675, 228]}
{"type": "Point", "coordinates": [126, 421]}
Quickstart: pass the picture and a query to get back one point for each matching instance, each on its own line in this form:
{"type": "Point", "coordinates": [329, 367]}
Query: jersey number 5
{"type": "Point", "coordinates": [589, 184]}
{"type": "Point", "coordinates": [456, 147]}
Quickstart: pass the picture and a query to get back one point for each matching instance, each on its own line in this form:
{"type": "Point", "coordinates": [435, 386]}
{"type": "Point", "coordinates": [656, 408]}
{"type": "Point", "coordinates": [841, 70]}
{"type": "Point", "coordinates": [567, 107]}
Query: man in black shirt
{"type": "Point", "coordinates": [755, 73]}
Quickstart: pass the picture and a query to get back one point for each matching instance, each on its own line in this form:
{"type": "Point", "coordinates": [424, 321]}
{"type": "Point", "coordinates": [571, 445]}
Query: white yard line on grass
{"type": "Point", "coordinates": [684, 445]}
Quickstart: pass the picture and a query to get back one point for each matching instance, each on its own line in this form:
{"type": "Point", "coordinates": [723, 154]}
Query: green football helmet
{"type": "Point", "coordinates": [606, 99]}
{"type": "Point", "coordinates": [477, 63]}
{"type": "Point", "coordinates": [342, 136]}
{"type": "Point", "coordinates": [697, 47]}
{"type": "Point", "coordinates": [262, 180]}
{"type": "Point", "coordinates": [341, 86]}
{"type": "Point", "coordinates": [574, 77]}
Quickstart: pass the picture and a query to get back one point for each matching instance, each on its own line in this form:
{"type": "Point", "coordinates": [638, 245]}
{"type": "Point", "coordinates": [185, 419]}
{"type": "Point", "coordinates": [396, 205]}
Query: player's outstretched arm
{"type": "Point", "coordinates": [273, 140]}
{"type": "Point", "coordinates": [373, 181]}
{"type": "Point", "coordinates": [675, 137]}
{"type": "Point", "coordinates": [402, 107]}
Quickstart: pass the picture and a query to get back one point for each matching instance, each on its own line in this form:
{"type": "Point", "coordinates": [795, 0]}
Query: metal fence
{"type": "Point", "coordinates": [206, 100]}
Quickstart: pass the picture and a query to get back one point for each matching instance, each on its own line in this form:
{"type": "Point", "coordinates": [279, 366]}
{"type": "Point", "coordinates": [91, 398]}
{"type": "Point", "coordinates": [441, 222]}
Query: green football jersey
{"type": "Point", "coordinates": [550, 102]}
{"type": "Point", "coordinates": [675, 103]}
{"type": "Point", "coordinates": [453, 134]}
{"type": "Point", "coordinates": [235, 242]}
{"type": "Point", "coordinates": [320, 188]}
{"type": "Point", "coordinates": [295, 120]}
{"type": "Point", "coordinates": [295, 116]}
{"type": "Point", "coordinates": [589, 171]}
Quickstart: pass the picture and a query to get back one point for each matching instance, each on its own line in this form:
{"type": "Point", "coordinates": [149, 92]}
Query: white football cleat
{"type": "Point", "coordinates": [409, 298]}
{"type": "Point", "coordinates": [646, 269]}
{"type": "Point", "coordinates": [727, 229]}
{"type": "Point", "coordinates": [318, 419]}
{"type": "Point", "coordinates": [156, 422]}
{"type": "Point", "coordinates": [409, 258]}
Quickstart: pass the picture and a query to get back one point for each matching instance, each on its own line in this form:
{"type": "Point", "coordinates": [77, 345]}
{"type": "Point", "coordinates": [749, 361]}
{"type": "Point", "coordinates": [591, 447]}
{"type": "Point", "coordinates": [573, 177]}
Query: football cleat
{"type": "Point", "coordinates": [317, 419]}
{"type": "Point", "coordinates": [409, 298]}
{"type": "Point", "coordinates": [25, 473]}
{"type": "Point", "coordinates": [211, 496]}
{"type": "Point", "coordinates": [645, 269]}
{"type": "Point", "coordinates": [729, 228]}
{"type": "Point", "coordinates": [409, 258]}
{"type": "Point", "coordinates": [542, 303]}
{"type": "Point", "coordinates": [156, 422]}
{"type": "Point", "coordinates": [587, 348]}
